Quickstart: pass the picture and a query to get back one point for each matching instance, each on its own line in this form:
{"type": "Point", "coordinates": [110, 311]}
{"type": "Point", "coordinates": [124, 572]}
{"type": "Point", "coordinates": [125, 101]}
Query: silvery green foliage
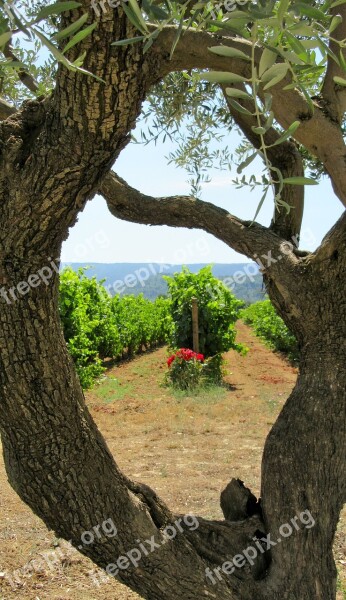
{"type": "Point", "coordinates": [189, 108]}
{"type": "Point", "coordinates": [295, 40]}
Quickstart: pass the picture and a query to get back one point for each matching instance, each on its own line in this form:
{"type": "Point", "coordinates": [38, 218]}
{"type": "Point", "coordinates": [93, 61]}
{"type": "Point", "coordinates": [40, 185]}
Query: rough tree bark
{"type": "Point", "coordinates": [55, 154]}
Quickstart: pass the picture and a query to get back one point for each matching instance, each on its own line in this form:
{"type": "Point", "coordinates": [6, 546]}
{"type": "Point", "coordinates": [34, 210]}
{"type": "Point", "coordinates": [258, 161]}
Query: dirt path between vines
{"type": "Point", "coordinates": [186, 448]}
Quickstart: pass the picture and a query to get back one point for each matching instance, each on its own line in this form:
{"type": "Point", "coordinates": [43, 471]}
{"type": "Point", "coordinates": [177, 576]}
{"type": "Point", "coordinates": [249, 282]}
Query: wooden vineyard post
{"type": "Point", "coordinates": [195, 333]}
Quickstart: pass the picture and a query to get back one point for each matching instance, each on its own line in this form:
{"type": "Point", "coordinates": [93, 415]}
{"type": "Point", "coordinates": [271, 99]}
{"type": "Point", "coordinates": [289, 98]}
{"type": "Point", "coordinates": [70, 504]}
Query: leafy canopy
{"type": "Point", "coordinates": [293, 36]}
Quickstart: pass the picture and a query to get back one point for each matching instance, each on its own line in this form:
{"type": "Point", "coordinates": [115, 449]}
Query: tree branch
{"type": "Point", "coordinates": [334, 95]}
{"type": "Point", "coordinates": [285, 157]}
{"type": "Point", "coordinates": [279, 262]}
{"type": "Point", "coordinates": [23, 75]}
{"type": "Point", "coordinates": [288, 105]}
{"type": "Point", "coordinates": [106, 104]}
{"type": "Point", "coordinates": [251, 239]}
{"type": "Point", "coordinates": [333, 242]}
{"type": "Point", "coordinates": [6, 109]}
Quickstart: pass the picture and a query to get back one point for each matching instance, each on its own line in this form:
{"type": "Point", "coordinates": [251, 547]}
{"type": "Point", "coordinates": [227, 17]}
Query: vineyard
{"type": "Point", "coordinates": [97, 326]}
{"type": "Point", "coordinates": [267, 325]}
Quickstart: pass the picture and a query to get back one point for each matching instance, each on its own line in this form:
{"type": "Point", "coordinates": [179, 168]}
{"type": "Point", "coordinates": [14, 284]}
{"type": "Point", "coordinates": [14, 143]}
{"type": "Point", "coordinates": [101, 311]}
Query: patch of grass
{"type": "Point", "coordinates": [163, 471]}
{"type": "Point", "coordinates": [207, 394]}
{"type": "Point", "coordinates": [109, 389]}
{"type": "Point", "coordinates": [340, 586]}
{"type": "Point", "coordinates": [150, 429]}
{"type": "Point", "coordinates": [141, 368]}
{"type": "Point", "coordinates": [269, 399]}
{"type": "Point", "coordinates": [272, 403]}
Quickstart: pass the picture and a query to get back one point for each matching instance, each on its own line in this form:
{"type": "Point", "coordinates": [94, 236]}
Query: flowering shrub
{"type": "Point", "coordinates": [188, 369]}
{"type": "Point", "coordinates": [185, 369]}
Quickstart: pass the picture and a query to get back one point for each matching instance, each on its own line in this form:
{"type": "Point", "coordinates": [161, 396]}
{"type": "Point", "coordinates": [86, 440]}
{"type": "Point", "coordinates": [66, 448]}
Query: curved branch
{"type": "Point", "coordinates": [248, 238]}
{"type": "Point", "coordinates": [279, 260]}
{"type": "Point", "coordinates": [288, 105]}
{"type": "Point", "coordinates": [333, 242]}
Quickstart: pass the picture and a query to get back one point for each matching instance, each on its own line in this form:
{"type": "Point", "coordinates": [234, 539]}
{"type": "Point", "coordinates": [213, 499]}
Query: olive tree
{"type": "Point", "coordinates": [280, 69]}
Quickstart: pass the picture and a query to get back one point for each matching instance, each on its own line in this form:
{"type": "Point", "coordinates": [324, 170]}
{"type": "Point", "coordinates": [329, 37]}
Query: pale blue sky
{"type": "Point", "coordinates": [99, 237]}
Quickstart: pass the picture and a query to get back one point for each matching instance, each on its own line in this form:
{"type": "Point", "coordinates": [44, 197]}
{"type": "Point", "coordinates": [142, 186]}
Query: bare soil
{"type": "Point", "coordinates": [186, 447]}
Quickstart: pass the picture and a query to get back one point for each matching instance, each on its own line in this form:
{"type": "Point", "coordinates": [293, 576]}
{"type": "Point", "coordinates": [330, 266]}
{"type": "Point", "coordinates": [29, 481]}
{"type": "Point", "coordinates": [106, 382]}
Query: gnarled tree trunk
{"type": "Point", "coordinates": [304, 461]}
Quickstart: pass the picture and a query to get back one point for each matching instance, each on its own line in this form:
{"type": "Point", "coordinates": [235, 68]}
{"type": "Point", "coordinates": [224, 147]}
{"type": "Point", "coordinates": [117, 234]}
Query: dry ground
{"type": "Point", "coordinates": [187, 448]}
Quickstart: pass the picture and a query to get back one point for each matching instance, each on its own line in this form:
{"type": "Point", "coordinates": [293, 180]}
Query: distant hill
{"type": "Point", "coordinates": [243, 279]}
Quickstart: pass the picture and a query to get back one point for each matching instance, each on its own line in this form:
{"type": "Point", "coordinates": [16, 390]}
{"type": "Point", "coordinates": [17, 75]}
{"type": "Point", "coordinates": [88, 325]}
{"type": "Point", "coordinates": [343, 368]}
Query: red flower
{"type": "Point", "coordinates": [185, 354]}
{"type": "Point", "coordinates": [170, 360]}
